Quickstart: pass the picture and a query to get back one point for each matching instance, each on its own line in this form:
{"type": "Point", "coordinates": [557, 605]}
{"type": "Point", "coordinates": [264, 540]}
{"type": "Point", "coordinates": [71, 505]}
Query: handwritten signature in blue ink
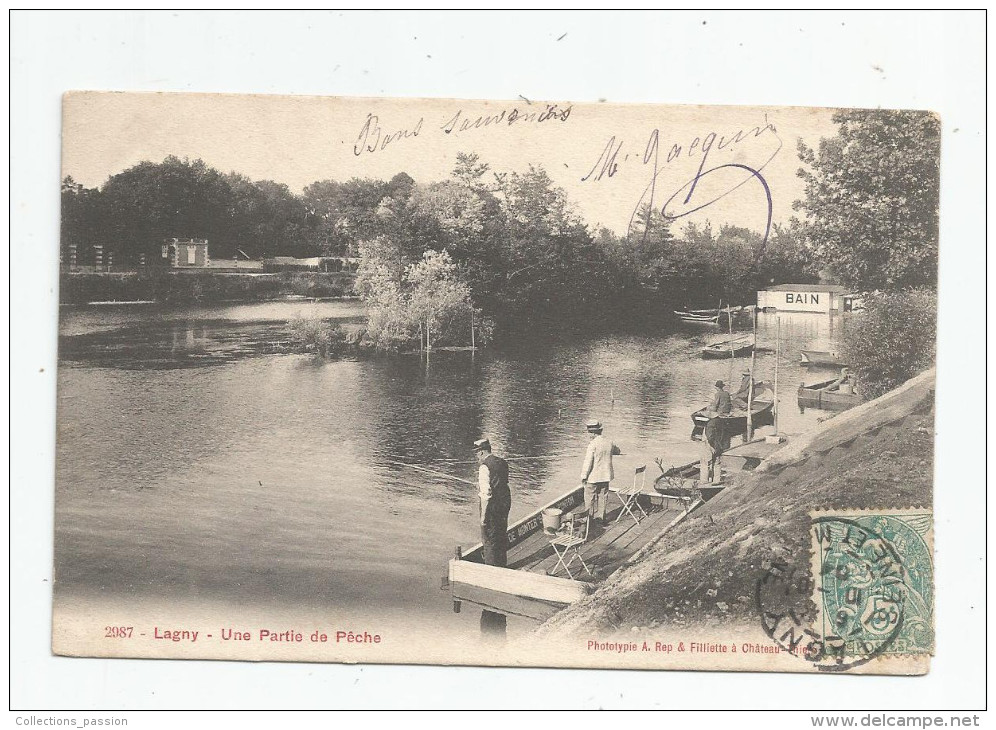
{"type": "Point", "coordinates": [612, 157]}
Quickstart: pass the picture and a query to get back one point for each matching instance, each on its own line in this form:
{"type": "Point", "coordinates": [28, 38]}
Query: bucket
{"type": "Point", "coordinates": [552, 518]}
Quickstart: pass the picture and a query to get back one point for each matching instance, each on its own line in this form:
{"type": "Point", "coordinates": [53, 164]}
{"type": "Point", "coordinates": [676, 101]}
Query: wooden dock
{"type": "Point", "coordinates": [750, 454]}
{"type": "Point", "coordinates": [530, 587]}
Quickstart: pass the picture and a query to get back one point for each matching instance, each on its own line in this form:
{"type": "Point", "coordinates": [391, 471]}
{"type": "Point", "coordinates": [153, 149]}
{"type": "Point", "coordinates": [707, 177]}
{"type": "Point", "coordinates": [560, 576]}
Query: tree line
{"type": "Point", "coordinates": [137, 209]}
{"type": "Point", "coordinates": [517, 247]}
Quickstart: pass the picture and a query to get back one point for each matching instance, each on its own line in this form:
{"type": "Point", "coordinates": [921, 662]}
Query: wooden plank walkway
{"type": "Point", "coordinates": [757, 449]}
{"type": "Point", "coordinates": [605, 551]}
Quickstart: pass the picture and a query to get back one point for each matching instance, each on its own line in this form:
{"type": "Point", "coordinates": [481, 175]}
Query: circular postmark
{"type": "Point", "coordinates": [854, 608]}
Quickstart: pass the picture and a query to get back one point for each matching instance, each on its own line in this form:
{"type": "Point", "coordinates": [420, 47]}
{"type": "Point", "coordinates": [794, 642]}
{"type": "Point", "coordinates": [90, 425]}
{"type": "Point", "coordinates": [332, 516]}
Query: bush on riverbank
{"type": "Point", "coordinates": [187, 287]}
{"type": "Point", "coordinates": [892, 340]}
{"type": "Point", "coordinates": [323, 337]}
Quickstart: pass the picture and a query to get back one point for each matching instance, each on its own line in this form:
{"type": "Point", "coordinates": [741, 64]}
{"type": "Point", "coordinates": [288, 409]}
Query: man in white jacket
{"type": "Point", "coordinates": [596, 472]}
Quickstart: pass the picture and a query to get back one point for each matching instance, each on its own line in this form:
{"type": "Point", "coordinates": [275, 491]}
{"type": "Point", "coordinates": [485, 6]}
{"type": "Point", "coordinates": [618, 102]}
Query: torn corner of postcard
{"type": "Point", "coordinates": [527, 383]}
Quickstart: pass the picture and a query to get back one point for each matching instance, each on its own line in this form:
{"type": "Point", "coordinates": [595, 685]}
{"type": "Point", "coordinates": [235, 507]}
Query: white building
{"type": "Point", "coordinates": [187, 252]}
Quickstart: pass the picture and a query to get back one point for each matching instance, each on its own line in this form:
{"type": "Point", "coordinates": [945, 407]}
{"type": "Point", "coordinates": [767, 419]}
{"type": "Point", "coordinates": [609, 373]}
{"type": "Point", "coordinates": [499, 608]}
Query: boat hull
{"type": "Point", "coordinates": [680, 483]}
{"type": "Point", "coordinates": [820, 359]}
{"type": "Point", "coordinates": [725, 352]}
{"type": "Point", "coordinates": [711, 316]}
{"type": "Point", "coordinates": [819, 396]}
{"type": "Point", "coordinates": [692, 318]}
{"type": "Point", "coordinates": [735, 424]}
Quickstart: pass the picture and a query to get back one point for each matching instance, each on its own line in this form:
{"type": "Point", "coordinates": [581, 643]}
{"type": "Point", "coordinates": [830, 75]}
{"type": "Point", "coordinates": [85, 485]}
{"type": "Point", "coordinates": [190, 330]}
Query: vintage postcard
{"type": "Point", "coordinates": [523, 383]}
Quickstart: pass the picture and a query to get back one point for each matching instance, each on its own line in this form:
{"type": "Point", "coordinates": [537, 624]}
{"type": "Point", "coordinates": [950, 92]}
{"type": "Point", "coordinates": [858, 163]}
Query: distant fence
{"type": "Point", "coordinates": [327, 264]}
{"type": "Point", "coordinates": [201, 285]}
{"type": "Point", "coordinates": [233, 265]}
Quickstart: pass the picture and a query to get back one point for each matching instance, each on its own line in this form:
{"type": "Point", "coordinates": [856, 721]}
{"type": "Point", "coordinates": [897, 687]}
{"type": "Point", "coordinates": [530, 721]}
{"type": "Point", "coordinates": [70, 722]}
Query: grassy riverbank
{"type": "Point", "coordinates": [179, 287]}
{"type": "Point", "coordinates": [705, 570]}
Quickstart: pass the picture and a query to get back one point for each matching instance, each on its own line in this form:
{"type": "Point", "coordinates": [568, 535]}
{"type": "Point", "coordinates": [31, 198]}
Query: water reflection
{"type": "Point", "coordinates": [149, 337]}
{"type": "Point", "coordinates": [195, 460]}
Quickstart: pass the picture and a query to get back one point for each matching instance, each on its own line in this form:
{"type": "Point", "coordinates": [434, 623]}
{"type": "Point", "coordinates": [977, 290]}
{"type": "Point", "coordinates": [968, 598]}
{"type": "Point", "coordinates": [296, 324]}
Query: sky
{"type": "Point", "coordinates": [716, 163]}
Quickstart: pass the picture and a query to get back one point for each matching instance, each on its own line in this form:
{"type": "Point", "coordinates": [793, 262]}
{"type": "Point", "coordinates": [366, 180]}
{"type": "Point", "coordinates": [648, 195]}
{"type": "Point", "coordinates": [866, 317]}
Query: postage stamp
{"type": "Point", "coordinates": [872, 583]}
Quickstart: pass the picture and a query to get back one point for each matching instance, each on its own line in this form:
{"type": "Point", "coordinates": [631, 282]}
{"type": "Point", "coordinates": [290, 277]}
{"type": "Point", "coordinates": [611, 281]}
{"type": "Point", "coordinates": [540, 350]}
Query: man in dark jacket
{"type": "Point", "coordinates": [496, 501]}
{"type": "Point", "coordinates": [721, 404]}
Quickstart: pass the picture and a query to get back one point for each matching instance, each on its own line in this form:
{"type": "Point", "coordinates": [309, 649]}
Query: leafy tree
{"type": "Point", "coordinates": [737, 255]}
{"type": "Point", "coordinates": [430, 303]}
{"type": "Point", "coordinates": [280, 221]}
{"type": "Point", "coordinates": [549, 267]}
{"type": "Point", "coordinates": [148, 203]}
{"type": "Point", "coordinates": [269, 219]}
{"type": "Point", "coordinates": [785, 258]}
{"type": "Point", "coordinates": [80, 219]}
{"type": "Point", "coordinates": [871, 199]}
{"type": "Point", "coordinates": [400, 187]}
{"type": "Point", "coordinates": [325, 218]}
{"type": "Point", "coordinates": [470, 172]}
{"type": "Point", "coordinates": [463, 216]}
{"type": "Point", "coordinates": [534, 204]}
{"type": "Point", "coordinates": [340, 215]}
{"type": "Point", "coordinates": [652, 244]}
{"type": "Point", "coordinates": [439, 297]}
{"type": "Point", "coordinates": [390, 324]}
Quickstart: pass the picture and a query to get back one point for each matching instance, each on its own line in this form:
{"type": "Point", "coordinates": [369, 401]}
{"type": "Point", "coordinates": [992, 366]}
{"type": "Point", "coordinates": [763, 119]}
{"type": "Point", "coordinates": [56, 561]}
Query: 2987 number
{"type": "Point", "coordinates": [117, 632]}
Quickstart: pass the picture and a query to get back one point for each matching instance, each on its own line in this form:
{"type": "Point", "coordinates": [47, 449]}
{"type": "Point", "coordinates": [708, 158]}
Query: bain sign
{"type": "Point", "coordinates": [787, 298]}
{"type": "Point", "coordinates": [802, 298]}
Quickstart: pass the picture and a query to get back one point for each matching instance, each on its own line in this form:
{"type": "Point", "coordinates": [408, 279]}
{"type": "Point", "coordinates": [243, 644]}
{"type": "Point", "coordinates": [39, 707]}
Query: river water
{"type": "Point", "coordinates": [199, 460]}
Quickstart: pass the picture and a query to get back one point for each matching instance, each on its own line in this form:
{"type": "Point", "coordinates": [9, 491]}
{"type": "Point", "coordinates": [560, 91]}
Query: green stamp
{"type": "Point", "coordinates": [875, 581]}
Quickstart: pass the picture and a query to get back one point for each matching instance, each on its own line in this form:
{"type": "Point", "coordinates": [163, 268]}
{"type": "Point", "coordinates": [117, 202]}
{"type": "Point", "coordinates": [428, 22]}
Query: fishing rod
{"type": "Point", "coordinates": [657, 460]}
{"type": "Point", "coordinates": [437, 473]}
{"type": "Point", "coordinates": [505, 458]}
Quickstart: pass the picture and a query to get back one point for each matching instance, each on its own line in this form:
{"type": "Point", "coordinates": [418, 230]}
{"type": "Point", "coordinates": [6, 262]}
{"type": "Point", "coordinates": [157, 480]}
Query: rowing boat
{"type": "Point", "coordinates": [827, 396]}
{"type": "Point", "coordinates": [711, 316]}
{"type": "Point", "coordinates": [735, 423]}
{"type": "Point", "coordinates": [698, 317]}
{"type": "Point", "coordinates": [737, 347]}
{"type": "Point", "coordinates": [820, 358]}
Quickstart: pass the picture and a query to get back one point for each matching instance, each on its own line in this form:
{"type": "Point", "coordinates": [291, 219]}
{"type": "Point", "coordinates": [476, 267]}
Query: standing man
{"type": "Point", "coordinates": [496, 501]}
{"type": "Point", "coordinates": [596, 472]}
{"type": "Point", "coordinates": [715, 441]}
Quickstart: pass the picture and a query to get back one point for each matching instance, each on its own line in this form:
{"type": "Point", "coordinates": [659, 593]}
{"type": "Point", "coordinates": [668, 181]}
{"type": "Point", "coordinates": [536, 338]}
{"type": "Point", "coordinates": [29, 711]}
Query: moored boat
{"type": "Point", "coordinates": [828, 395]}
{"type": "Point", "coordinates": [702, 317]}
{"type": "Point", "coordinates": [737, 347]}
{"type": "Point", "coordinates": [682, 483]}
{"type": "Point", "coordinates": [717, 316]}
{"type": "Point", "coordinates": [821, 358]}
{"type": "Point", "coordinates": [735, 423]}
